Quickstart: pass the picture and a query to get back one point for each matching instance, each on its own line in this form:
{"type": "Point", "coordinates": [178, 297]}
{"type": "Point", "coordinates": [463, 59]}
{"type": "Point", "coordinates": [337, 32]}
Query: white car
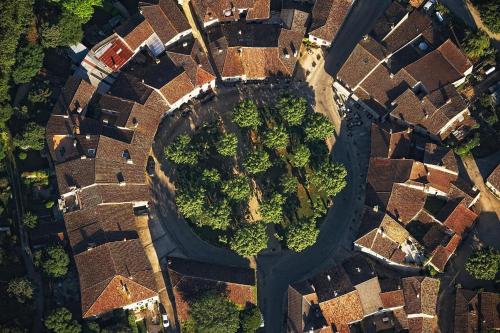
{"type": "Point", "coordinates": [166, 322]}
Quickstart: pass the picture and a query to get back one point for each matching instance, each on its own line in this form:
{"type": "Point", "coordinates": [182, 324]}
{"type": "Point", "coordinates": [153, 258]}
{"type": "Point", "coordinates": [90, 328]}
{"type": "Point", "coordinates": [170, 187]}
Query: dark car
{"type": "Point", "coordinates": [150, 166]}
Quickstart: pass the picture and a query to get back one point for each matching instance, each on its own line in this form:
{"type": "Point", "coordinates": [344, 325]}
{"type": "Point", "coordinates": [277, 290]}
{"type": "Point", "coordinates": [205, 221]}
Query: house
{"type": "Point", "coordinates": [192, 278]}
{"type": "Point", "coordinates": [493, 182]}
{"type": "Point", "coordinates": [210, 12]}
{"type": "Point", "coordinates": [352, 299]}
{"type": "Point", "coordinates": [326, 20]}
{"type": "Point", "coordinates": [115, 275]}
{"type": "Point", "coordinates": [476, 311]}
{"type": "Point", "coordinates": [243, 51]}
{"type": "Point", "coordinates": [400, 71]}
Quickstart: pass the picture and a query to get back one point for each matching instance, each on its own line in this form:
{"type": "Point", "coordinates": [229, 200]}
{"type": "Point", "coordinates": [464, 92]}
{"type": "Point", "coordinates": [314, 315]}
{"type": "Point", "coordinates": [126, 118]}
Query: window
{"type": "Point", "coordinates": [126, 154]}
{"type": "Point", "coordinates": [91, 152]}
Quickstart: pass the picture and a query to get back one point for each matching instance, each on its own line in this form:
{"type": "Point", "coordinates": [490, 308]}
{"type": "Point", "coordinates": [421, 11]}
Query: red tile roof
{"type": "Point", "coordinates": [114, 53]}
{"type": "Point", "coordinates": [494, 178]}
{"type": "Point", "coordinates": [460, 219]}
{"type": "Point", "coordinates": [455, 56]}
{"type": "Point", "coordinates": [327, 18]}
{"type": "Point", "coordinates": [392, 299]}
{"type": "Point", "coordinates": [342, 310]}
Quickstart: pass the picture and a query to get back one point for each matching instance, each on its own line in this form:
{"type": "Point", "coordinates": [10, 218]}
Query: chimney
{"type": "Point", "coordinates": [375, 208]}
{"type": "Point", "coordinates": [240, 32]}
{"type": "Point", "coordinates": [391, 76]}
{"type": "Point", "coordinates": [75, 143]}
{"type": "Point", "coordinates": [79, 109]}
{"type": "Point", "coordinates": [220, 50]}
{"type": "Point", "coordinates": [185, 44]}
{"type": "Point", "coordinates": [87, 137]}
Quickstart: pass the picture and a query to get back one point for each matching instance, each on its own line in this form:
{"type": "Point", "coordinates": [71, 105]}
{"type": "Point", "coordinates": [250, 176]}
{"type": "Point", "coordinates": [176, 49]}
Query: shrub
{"type": "Point", "coordinates": [250, 320]}
{"type": "Point", "coordinates": [213, 313]}
{"type": "Point", "coordinates": [483, 264]}
{"type": "Point", "coordinates": [22, 155]}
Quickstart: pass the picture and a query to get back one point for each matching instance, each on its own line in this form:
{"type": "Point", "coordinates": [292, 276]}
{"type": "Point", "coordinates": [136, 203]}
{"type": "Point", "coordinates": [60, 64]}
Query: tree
{"type": "Point", "coordinates": [11, 329]}
{"type": "Point", "coordinates": [40, 94]}
{"type": "Point", "coordinates": [181, 151]}
{"type": "Point", "coordinates": [56, 262]}
{"type": "Point", "coordinates": [30, 220]}
{"type": "Point", "coordinates": [217, 216]}
{"type": "Point", "coordinates": [476, 44]}
{"type": "Point", "coordinates": [191, 202]}
{"type": "Point", "coordinates": [292, 109]}
{"type": "Point", "coordinates": [29, 60]}
{"type": "Point", "coordinates": [329, 178]}
{"type": "Point", "coordinates": [289, 184]}
{"type": "Point", "coordinates": [276, 138]}
{"type": "Point", "coordinates": [227, 145]}
{"type": "Point", "coordinates": [21, 289]}
{"type": "Point", "coordinates": [33, 137]}
{"type": "Point", "coordinates": [317, 127]}
{"type": "Point", "coordinates": [213, 313]}
{"type": "Point", "coordinates": [67, 31]}
{"type": "Point", "coordinates": [210, 176]}
{"type": "Point", "coordinates": [250, 319]}
{"type": "Point", "coordinates": [488, 10]}
{"type": "Point", "coordinates": [249, 239]}
{"type": "Point", "coordinates": [237, 188]}
{"type": "Point", "coordinates": [271, 210]}
{"type": "Point", "coordinates": [467, 145]}
{"type": "Point", "coordinates": [61, 321]}
{"type": "Point", "coordinates": [246, 114]}
{"type": "Point", "coordinates": [83, 9]}
{"type": "Point", "coordinates": [300, 156]}
{"type": "Point", "coordinates": [483, 264]}
{"type": "Point", "coordinates": [257, 161]}
{"type": "Point", "coordinates": [301, 235]}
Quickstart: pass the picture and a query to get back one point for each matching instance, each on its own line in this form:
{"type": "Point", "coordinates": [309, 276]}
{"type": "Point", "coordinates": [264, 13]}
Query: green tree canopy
{"type": "Point", "coordinates": [289, 184]}
{"type": "Point", "coordinates": [250, 320]}
{"type": "Point", "coordinates": [237, 188]}
{"type": "Point", "coordinates": [213, 313]}
{"type": "Point", "coordinates": [292, 109]}
{"type": "Point", "coordinates": [210, 176]}
{"type": "Point", "coordinates": [330, 178]}
{"type": "Point", "coordinates": [476, 44]}
{"type": "Point", "coordinates": [300, 156]}
{"type": "Point", "coordinates": [246, 114]}
{"type": "Point", "coordinates": [83, 9]}
{"type": "Point", "coordinates": [217, 216]}
{"type": "Point", "coordinates": [317, 127]}
{"type": "Point", "coordinates": [301, 235]}
{"type": "Point", "coordinates": [61, 321]}
{"type": "Point", "coordinates": [181, 151]}
{"type": "Point", "coordinates": [29, 61]}
{"type": "Point", "coordinates": [276, 138]}
{"type": "Point", "coordinates": [257, 161]}
{"type": "Point", "coordinates": [30, 220]}
{"type": "Point", "coordinates": [271, 210]}
{"type": "Point", "coordinates": [227, 145]}
{"type": "Point", "coordinates": [191, 202]}
{"type": "Point", "coordinates": [466, 146]}
{"type": "Point", "coordinates": [488, 10]}
{"type": "Point", "coordinates": [483, 264]}
{"type": "Point", "coordinates": [249, 239]}
{"type": "Point", "coordinates": [66, 31]}
{"type": "Point", "coordinates": [21, 289]}
{"type": "Point", "coordinates": [56, 262]}
{"type": "Point", "coordinates": [33, 137]}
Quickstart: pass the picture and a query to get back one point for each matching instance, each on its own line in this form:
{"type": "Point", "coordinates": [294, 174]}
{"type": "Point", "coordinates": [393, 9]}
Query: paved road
{"type": "Point", "coordinates": [359, 22]}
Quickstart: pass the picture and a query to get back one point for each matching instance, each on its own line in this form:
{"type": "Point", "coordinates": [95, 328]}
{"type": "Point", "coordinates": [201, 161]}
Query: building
{"type": "Point", "coordinates": [244, 51]}
{"type": "Point", "coordinates": [326, 20]}
{"type": "Point", "coordinates": [401, 71]}
{"type": "Point", "coordinates": [476, 311]}
{"type": "Point", "coordinates": [352, 298]}
{"type": "Point", "coordinates": [210, 12]}
{"type": "Point", "coordinates": [493, 182]}
{"type": "Point", "coordinates": [190, 279]}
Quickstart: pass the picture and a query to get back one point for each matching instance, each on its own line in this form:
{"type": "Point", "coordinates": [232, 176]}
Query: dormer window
{"type": "Point", "coordinates": [91, 152]}
{"type": "Point", "coordinates": [126, 154]}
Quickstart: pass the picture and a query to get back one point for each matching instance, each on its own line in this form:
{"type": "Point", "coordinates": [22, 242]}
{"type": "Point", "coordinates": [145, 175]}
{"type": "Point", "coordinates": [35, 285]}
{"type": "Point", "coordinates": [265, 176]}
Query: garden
{"type": "Point", "coordinates": [256, 176]}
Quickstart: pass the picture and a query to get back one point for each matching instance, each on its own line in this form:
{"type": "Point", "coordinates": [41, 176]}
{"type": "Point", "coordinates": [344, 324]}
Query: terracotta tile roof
{"type": "Point", "coordinates": [388, 143]}
{"type": "Point", "coordinates": [76, 93]}
{"type": "Point", "coordinates": [412, 109]}
{"type": "Point", "coordinates": [190, 278]}
{"type": "Point", "coordinates": [369, 294]}
{"type": "Point", "coordinates": [114, 275]}
{"type": "Point", "coordinates": [177, 88]}
{"type": "Point", "coordinates": [114, 111]}
{"type": "Point", "coordinates": [401, 318]}
{"type": "Point", "coordinates": [440, 258]}
{"type": "Point", "coordinates": [342, 310]}
{"type": "Point", "coordinates": [490, 303]}
{"type": "Point", "coordinates": [455, 56]}
{"type": "Point", "coordinates": [107, 193]}
{"type": "Point", "coordinates": [494, 178]}
{"type": "Point", "coordinates": [135, 31]}
{"type": "Point", "coordinates": [422, 325]}
{"type": "Point", "coordinates": [400, 207]}
{"type": "Point", "coordinates": [113, 52]}
{"type": "Point", "coordinates": [327, 18]}
{"type": "Point", "coordinates": [389, 19]}
{"type": "Point", "coordinates": [461, 219]}
{"type": "Point", "coordinates": [416, 24]}
{"type": "Point", "coordinates": [392, 299]}
{"type": "Point", "coordinates": [361, 61]}
{"type": "Point", "coordinates": [331, 283]}
{"type": "Point", "coordinates": [130, 87]}
{"type": "Point", "coordinates": [77, 173]}
{"type": "Point", "coordinates": [440, 156]}
{"type": "Point", "coordinates": [466, 311]}
{"type": "Point", "coordinates": [224, 10]}
{"type": "Point", "coordinates": [165, 18]}
{"type": "Point", "coordinates": [261, 9]}
{"type": "Point", "coordinates": [420, 295]}
{"type": "Point", "coordinates": [99, 225]}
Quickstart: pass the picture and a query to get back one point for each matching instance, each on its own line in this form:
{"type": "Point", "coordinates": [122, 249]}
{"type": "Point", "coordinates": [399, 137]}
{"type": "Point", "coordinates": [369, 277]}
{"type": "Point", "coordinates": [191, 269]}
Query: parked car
{"type": "Point", "coordinates": [166, 322]}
